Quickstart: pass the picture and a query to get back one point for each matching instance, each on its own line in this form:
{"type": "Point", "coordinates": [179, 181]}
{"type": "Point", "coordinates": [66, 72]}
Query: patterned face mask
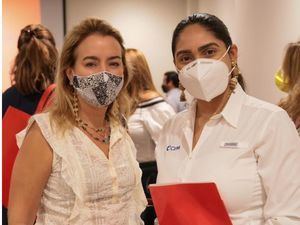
{"type": "Point", "coordinates": [99, 89]}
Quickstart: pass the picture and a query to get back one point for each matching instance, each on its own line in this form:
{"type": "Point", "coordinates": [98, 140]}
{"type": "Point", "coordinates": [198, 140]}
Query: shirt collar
{"type": "Point", "coordinates": [232, 109]}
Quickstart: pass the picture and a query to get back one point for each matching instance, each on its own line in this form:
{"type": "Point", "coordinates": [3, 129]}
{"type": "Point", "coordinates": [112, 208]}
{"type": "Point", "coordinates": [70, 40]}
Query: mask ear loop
{"type": "Point", "coordinates": [227, 50]}
{"type": "Point", "coordinates": [182, 95]}
{"type": "Point", "coordinates": [234, 77]}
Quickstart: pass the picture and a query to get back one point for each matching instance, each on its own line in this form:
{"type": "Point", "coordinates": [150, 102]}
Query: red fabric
{"type": "Point", "coordinates": [13, 122]}
{"type": "Point", "coordinates": [189, 204]}
{"type": "Point", "coordinates": [46, 99]}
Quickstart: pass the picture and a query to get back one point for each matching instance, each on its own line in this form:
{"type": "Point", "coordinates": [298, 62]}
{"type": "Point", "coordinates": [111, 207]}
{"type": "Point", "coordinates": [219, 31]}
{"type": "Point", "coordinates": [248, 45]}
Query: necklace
{"type": "Point", "coordinates": [102, 134]}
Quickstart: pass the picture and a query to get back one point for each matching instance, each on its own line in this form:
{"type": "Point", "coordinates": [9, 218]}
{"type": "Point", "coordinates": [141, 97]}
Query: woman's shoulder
{"type": "Point", "coordinates": [261, 105]}
{"type": "Point", "coordinates": [160, 111]}
{"type": "Point", "coordinates": [178, 121]}
{"type": "Point", "coordinates": [9, 97]}
{"type": "Point", "coordinates": [155, 105]}
{"type": "Point", "coordinates": [26, 103]}
{"type": "Point", "coordinates": [34, 134]}
{"type": "Point", "coordinates": [43, 118]}
{"type": "Point", "coordinates": [163, 106]}
{"type": "Point", "coordinates": [49, 128]}
{"type": "Point", "coordinates": [11, 91]}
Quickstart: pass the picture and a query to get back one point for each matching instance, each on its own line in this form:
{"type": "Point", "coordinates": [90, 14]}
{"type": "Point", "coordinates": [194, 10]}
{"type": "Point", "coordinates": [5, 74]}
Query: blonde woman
{"type": "Point", "coordinates": [291, 80]}
{"type": "Point", "coordinates": [148, 110]}
{"type": "Point", "coordinates": [148, 114]}
{"type": "Point", "coordinates": [76, 163]}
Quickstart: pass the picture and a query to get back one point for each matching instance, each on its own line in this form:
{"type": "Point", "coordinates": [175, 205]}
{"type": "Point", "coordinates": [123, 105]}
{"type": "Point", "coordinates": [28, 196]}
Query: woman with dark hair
{"type": "Point", "coordinates": [248, 147]}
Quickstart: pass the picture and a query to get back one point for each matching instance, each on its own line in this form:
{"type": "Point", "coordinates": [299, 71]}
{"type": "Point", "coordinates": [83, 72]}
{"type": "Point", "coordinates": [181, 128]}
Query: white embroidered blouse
{"type": "Point", "coordinates": [85, 187]}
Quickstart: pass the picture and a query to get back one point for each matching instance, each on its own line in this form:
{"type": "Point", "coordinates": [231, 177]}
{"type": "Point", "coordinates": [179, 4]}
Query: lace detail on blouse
{"type": "Point", "coordinates": [85, 187]}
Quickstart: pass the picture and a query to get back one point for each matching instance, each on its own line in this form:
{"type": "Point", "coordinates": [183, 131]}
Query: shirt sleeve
{"type": "Point", "coordinates": [172, 102]}
{"type": "Point", "coordinates": [278, 158]}
{"type": "Point", "coordinates": [156, 119]}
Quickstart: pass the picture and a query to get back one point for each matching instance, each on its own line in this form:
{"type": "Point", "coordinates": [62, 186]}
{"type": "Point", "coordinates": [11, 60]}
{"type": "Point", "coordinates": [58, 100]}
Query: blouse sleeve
{"type": "Point", "coordinates": [278, 158]}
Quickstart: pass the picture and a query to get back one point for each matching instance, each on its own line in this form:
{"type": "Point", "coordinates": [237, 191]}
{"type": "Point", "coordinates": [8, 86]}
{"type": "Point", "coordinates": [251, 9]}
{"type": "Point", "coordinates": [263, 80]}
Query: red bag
{"type": "Point", "coordinates": [13, 122]}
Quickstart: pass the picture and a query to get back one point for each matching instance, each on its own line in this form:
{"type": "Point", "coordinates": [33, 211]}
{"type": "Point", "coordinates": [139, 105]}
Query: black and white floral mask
{"type": "Point", "coordinates": [99, 89]}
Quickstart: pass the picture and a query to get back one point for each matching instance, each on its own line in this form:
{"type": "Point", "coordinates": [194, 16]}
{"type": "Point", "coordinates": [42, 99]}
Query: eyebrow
{"type": "Point", "coordinates": [96, 58]}
{"type": "Point", "coordinates": [114, 57]}
{"type": "Point", "coordinates": [207, 46]}
{"type": "Point", "coordinates": [90, 57]}
{"type": "Point", "coordinates": [201, 48]}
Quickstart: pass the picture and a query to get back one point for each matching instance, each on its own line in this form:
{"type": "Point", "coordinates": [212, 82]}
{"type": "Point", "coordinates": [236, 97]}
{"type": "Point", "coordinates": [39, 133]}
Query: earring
{"type": "Point", "coordinates": [233, 80]}
{"type": "Point", "coordinates": [182, 96]}
{"type": "Point", "coordinates": [236, 67]}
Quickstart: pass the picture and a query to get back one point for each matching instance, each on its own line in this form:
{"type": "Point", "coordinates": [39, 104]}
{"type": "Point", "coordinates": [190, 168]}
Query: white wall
{"type": "Point", "coordinates": [52, 18]}
{"type": "Point", "coordinates": [261, 29]}
{"type": "Point", "coordinates": [145, 25]}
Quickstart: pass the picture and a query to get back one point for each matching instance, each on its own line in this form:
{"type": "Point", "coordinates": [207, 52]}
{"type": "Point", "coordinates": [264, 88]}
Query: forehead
{"type": "Point", "coordinates": [99, 46]}
{"type": "Point", "coordinates": [194, 36]}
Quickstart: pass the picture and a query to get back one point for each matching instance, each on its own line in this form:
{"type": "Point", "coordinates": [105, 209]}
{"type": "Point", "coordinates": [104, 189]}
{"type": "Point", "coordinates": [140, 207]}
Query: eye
{"type": "Point", "coordinates": [186, 58]}
{"type": "Point", "coordinates": [210, 52]}
{"type": "Point", "coordinates": [90, 64]}
{"type": "Point", "coordinates": [115, 64]}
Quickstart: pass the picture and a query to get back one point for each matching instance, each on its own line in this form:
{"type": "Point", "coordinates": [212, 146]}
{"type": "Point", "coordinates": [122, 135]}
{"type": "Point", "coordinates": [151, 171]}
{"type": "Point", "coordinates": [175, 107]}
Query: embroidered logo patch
{"type": "Point", "coordinates": [172, 147]}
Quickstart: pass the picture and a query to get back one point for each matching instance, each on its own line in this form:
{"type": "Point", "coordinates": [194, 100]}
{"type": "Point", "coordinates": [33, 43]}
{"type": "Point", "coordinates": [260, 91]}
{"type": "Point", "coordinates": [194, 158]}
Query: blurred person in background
{"type": "Point", "coordinates": [148, 113]}
{"type": "Point", "coordinates": [288, 80]}
{"type": "Point", "coordinates": [32, 75]}
{"type": "Point", "coordinates": [33, 69]}
{"type": "Point", "coordinates": [170, 86]}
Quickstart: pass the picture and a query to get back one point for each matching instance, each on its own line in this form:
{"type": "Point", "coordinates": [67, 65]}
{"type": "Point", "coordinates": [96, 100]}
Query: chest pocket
{"type": "Point", "coordinates": [237, 152]}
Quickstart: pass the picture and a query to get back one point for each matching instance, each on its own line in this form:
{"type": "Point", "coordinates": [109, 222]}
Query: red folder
{"type": "Point", "coordinates": [189, 204]}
